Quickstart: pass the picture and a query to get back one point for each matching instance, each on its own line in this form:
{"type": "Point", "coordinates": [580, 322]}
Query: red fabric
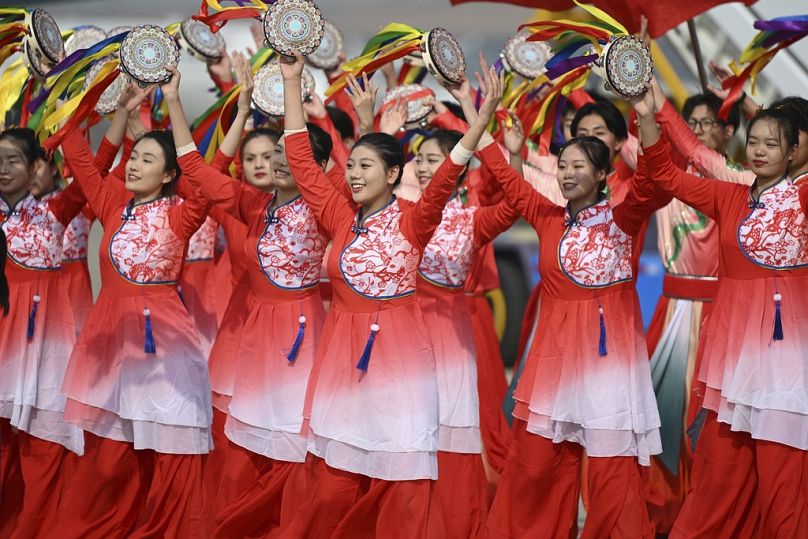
{"type": "Point", "coordinates": [662, 14]}
{"type": "Point", "coordinates": [216, 461]}
{"type": "Point", "coordinates": [721, 500]}
{"type": "Point", "coordinates": [269, 504]}
{"type": "Point", "coordinates": [42, 468]}
{"type": "Point", "coordinates": [108, 489]}
{"type": "Point", "coordinates": [529, 320]}
{"type": "Point", "coordinates": [538, 494]}
{"type": "Point", "coordinates": [241, 470]}
{"type": "Point", "coordinates": [461, 495]}
{"type": "Point", "coordinates": [11, 485]}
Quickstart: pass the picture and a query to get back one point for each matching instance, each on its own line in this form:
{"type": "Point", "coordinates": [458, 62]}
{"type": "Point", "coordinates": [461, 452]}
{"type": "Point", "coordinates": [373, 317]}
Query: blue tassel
{"type": "Point", "coordinates": [602, 341]}
{"type": "Point", "coordinates": [149, 346]}
{"type": "Point", "coordinates": [364, 361]}
{"type": "Point", "coordinates": [32, 318]}
{"type": "Point", "coordinates": [778, 322]}
{"type": "Point", "coordinates": [292, 355]}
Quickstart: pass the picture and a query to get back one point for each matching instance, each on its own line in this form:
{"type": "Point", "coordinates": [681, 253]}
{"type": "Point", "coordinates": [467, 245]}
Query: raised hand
{"type": "Point", "coordinates": [644, 104]}
{"type": "Point", "coordinates": [495, 85]}
{"type": "Point", "coordinates": [314, 107]}
{"type": "Point", "coordinates": [461, 92]}
{"type": "Point", "coordinates": [513, 136]}
{"type": "Point", "coordinates": [363, 100]}
{"type": "Point", "coordinates": [394, 118]}
{"type": "Point", "coordinates": [221, 68]}
{"type": "Point", "coordinates": [291, 66]}
{"type": "Point", "coordinates": [171, 88]}
{"type": "Point", "coordinates": [244, 77]}
{"type": "Point", "coordinates": [257, 32]}
{"type": "Point", "coordinates": [132, 96]}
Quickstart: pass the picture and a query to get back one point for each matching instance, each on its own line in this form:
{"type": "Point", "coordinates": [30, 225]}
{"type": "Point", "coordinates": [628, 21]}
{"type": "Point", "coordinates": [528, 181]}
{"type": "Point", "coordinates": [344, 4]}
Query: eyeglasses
{"type": "Point", "coordinates": [705, 124]}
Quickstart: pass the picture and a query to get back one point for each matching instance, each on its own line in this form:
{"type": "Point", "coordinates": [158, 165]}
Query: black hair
{"type": "Point", "coordinates": [3, 280]}
{"type": "Point", "coordinates": [712, 102]}
{"type": "Point", "coordinates": [166, 142]}
{"type": "Point", "coordinates": [342, 122]}
{"type": "Point", "coordinates": [24, 139]}
{"type": "Point", "coordinates": [447, 139]}
{"type": "Point", "coordinates": [797, 109]}
{"type": "Point", "coordinates": [786, 126]}
{"type": "Point", "coordinates": [596, 153]}
{"type": "Point", "coordinates": [271, 134]}
{"type": "Point", "coordinates": [611, 117]}
{"type": "Point", "coordinates": [455, 109]}
{"type": "Point", "coordinates": [388, 150]}
{"type": "Point", "coordinates": [321, 144]}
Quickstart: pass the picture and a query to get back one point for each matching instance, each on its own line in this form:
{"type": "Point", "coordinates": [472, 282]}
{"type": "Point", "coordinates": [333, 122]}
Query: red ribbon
{"type": "Point", "coordinates": [85, 108]}
{"type": "Point", "coordinates": [415, 96]}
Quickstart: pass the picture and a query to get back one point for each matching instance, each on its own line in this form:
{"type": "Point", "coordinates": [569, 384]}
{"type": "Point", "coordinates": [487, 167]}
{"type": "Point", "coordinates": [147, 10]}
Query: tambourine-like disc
{"type": "Point", "coordinates": [84, 37]}
{"type": "Point", "coordinates": [293, 25]}
{"type": "Point", "coordinates": [443, 56]}
{"type": "Point", "coordinates": [200, 41]}
{"type": "Point", "coordinates": [628, 65]}
{"type": "Point", "coordinates": [327, 55]}
{"type": "Point", "coordinates": [417, 98]}
{"type": "Point", "coordinates": [108, 102]}
{"type": "Point", "coordinates": [46, 35]}
{"type": "Point", "coordinates": [525, 58]}
{"type": "Point", "coordinates": [268, 88]}
{"type": "Point", "coordinates": [146, 52]}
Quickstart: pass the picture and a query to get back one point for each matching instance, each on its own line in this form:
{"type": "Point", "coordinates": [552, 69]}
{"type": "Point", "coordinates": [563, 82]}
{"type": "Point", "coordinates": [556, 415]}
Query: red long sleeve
{"type": "Point", "coordinates": [103, 200]}
{"type": "Point", "coordinates": [67, 204]}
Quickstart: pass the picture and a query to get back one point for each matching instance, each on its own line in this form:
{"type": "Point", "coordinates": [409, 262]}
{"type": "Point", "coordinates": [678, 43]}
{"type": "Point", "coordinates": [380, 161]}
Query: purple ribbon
{"type": "Point", "coordinates": [569, 64]}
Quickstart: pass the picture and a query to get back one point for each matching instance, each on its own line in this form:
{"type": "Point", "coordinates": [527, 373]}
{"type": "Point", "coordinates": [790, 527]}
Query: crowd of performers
{"type": "Point", "coordinates": [331, 369]}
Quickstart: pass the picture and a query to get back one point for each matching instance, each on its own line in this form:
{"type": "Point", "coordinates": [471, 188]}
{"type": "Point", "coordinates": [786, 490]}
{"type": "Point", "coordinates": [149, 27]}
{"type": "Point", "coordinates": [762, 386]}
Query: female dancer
{"type": "Point", "coordinates": [586, 382]}
{"type": "Point", "coordinates": [285, 247]}
{"type": "Point", "coordinates": [751, 453]}
{"type": "Point", "coordinates": [137, 381]}
{"type": "Point", "coordinates": [36, 339]}
{"type": "Point", "coordinates": [372, 402]}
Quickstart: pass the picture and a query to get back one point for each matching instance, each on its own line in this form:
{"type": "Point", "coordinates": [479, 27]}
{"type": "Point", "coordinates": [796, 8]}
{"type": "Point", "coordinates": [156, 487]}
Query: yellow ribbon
{"type": "Point", "coordinates": [60, 82]}
{"type": "Point", "coordinates": [53, 119]}
{"type": "Point", "coordinates": [602, 16]}
{"type": "Point", "coordinates": [12, 82]}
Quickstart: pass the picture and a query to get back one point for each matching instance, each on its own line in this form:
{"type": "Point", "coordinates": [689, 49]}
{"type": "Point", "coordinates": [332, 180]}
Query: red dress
{"type": "Point", "coordinates": [751, 360]}
{"type": "Point", "coordinates": [195, 284]}
{"type": "Point", "coordinates": [586, 382]}
{"type": "Point", "coordinates": [372, 401]}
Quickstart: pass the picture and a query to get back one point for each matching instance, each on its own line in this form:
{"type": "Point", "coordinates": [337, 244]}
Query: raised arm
{"type": "Point", "coordinates": [644, 197]}
{"type": "Point", "coordinates": [67, 204]}
{"type": "Point", "coordinates": [329, 206]}
{"type": "Point", "coordinates": [429, 208]}
{"type": "Point", "coordinates": [232, 139]}
{"type": "Point", "coordinates": [491, 221]}
{"type": "Point", "coordinates": [101, 197]}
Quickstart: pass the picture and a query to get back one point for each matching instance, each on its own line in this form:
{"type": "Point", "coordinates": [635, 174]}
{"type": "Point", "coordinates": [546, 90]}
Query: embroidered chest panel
{"type": "Point", "coordinates": [594, 251]}
{"type": "Point", "coordinates": [773, 235]}
{"type": "Point", "coordinates": [76, 237]}
{"type": "Point", "coordinates": [145, 249]}
{"type": "Point", "coordinates": [449, 254]}
{"type": "Point", "coordinates": [380, 262]}
{"type": "Point", "coordinates": [33, 234]}
{"type": "Point", "coordinates": [290, 251]}
{"type": "Point", "coordinates": [202, 243]}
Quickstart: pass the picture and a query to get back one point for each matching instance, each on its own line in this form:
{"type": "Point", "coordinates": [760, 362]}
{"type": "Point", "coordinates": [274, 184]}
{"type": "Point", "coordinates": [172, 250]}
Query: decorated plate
{"type": "Point", "coordinates": [628, 65]}
{"type": "Point", "coordinates": [197, 38]}
{"type": "Point", "coordinates": [268, 88]}
{"type": "Point", "coordinates": [327, 55]}
{"type": "Point", "coordinates": [293, 25]}
{"type": "Point", "coordinates": [146, 52]}
{"type": "Point", "coordinates": [46, 35]}
{"type": "Point", "coordinates": [525, 58]}
{"type": "Point", "coordinates": [443, 56]}
{"type": "Point", "coordinates": [108, 102]}
{"type": "Point", "coordinates": [84, 37]}
{"type": "Point", "coordinates": [417, 98]}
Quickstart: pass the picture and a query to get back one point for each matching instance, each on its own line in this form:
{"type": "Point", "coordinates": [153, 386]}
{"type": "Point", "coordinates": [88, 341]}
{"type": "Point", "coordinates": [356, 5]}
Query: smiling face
{"type": "Point", "coordinates": [767, 150]}
{"type": "Point", "coordinates": [257, 156]}
{"type": "Point", "coordinates": [429, 159]}
{"type": "Point", "coordinates": [146, 170]}
{"type": "Point", "coordinates": [577, 177]}
{"type": "Point", "coordinates": [371, 182]}
{"type": "Point", "coordinates": [15, 171]}
{"type": "Point", "coordinates": [44, 180]}
{"type": "Point", "coordinates": [594, 125]}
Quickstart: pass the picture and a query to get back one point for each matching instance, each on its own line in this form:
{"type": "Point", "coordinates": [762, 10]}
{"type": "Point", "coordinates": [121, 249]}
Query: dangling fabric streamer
{"type": "Point", "coordinates": [292, 355]}
{"type": "Point", "coordinates": [364, 360]}
{"type": "Point", "coordinates": [777, 335]}
{"type": "Point", "coordinates": [32, 317]}
{"type": "Point", "coordinates": [602, 341]}
{"type": "Point", "coordinates": [148, 345]}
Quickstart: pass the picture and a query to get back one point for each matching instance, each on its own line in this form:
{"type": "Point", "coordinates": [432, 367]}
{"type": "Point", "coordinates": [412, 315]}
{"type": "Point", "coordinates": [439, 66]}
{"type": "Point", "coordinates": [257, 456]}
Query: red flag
{"type": "Point", "coordinates": [662, 14]}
